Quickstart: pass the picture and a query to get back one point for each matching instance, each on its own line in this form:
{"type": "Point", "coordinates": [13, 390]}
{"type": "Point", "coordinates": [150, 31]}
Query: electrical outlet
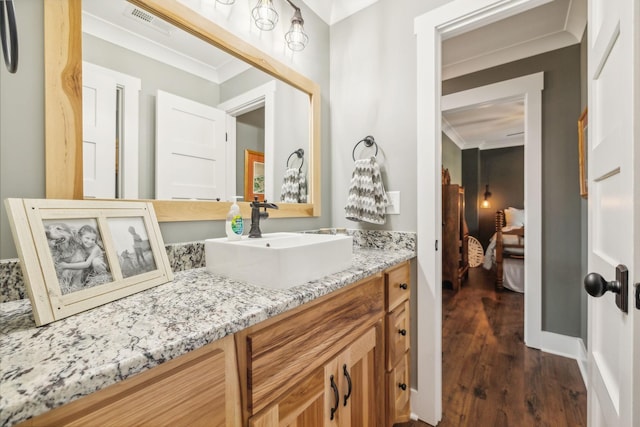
{"type": "Point", "coordinates": [394, 199]}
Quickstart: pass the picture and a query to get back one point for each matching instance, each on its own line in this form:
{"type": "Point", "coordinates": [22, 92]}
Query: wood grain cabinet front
{"type": "Point", "coordinates": [398, 321]}
{"type": "Point", "coordinates": [277, 357]}
{"type": "Point", "coordinates": [199, 388]}
{"type": "Point", "coordinates": [343, 392]}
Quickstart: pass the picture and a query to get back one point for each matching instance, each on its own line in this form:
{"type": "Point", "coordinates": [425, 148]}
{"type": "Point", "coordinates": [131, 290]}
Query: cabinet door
{"type": "Point", "coordinates": [360, 373]}
{"type": "Point", "coordinates": [304, 405]}
{"type": "Point", "coordinates": [199, 388]}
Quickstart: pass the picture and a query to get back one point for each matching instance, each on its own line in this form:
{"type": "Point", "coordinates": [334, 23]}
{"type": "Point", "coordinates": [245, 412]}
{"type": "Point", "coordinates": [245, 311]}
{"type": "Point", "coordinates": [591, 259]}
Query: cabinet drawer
{"type": "Point", "coordinates": [398, 336]}
{"type": "Point", "coordinates": [399, 392]}
{"type": "Point", "coordinates": [285, 351]}
{"type": "Point", "coordinates": [397, 286]}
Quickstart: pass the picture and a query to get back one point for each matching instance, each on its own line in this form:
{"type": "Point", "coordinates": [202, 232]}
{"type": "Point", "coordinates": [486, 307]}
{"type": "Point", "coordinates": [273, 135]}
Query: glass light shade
{"type": "Point", "coordinates": [296, 37]}
{"type": "Point", "coordinates": [226, 1]}
{"type": "Point", "coordinates": [485, 204]}
{"type": "Point", "coordinates": [264, 15]}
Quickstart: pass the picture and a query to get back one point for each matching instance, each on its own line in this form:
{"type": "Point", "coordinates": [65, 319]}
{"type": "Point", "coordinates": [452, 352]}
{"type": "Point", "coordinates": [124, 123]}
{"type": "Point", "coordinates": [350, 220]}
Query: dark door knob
{"type": "Point", "coordinates": [596, 286]}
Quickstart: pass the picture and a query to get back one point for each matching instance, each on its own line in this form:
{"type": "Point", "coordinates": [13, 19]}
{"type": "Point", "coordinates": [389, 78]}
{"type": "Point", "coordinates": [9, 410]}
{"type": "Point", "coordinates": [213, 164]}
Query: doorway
{"type": "Point", "coordinates": [455, 18]}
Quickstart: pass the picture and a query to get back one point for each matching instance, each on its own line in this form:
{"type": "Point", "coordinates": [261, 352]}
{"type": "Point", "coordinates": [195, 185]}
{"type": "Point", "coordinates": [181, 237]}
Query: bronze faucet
{"type": "Point", "coordinates": [255, 232]}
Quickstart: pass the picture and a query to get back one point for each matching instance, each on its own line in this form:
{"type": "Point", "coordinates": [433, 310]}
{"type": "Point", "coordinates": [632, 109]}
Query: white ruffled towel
{"type": "Point", "coordinates": [367, 199]}
{"type": "Point", "coordinates": [294, 187]}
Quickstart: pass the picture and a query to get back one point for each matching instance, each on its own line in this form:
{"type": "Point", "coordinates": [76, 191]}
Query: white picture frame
{"type": "Point", "coordinates": [79, 254]}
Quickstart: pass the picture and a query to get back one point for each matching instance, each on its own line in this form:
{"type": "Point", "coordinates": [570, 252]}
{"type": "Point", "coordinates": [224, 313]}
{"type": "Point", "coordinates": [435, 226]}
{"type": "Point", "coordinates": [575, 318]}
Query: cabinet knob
{"type": "Point", "coordinates": [404, 286]}
{"type": "Point", "coordinates": [403, 386]}
{"type": "Point", "coordinates": [402, 332]}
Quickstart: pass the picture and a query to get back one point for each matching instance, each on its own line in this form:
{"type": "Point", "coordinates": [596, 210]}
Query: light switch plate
{"type": "Point", "coordinates": [394, 199]}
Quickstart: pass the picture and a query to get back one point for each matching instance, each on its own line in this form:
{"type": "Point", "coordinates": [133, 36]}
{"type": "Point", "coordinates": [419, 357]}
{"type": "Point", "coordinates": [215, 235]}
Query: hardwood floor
{"type": "Point", "coordinates": [490, 378]}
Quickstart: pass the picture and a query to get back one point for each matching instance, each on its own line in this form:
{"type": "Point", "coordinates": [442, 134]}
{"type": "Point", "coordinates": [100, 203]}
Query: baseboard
{"type": "Point", "coordinates": [563, 345]}
{"type": "Point", "coordinates": [413, 415]}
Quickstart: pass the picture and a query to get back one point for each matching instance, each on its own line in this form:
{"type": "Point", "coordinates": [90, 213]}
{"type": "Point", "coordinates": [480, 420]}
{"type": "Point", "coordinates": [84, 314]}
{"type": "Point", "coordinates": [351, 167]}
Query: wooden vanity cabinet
{"type": "Point", "coordinates": [199, 388]}
{"type": "Point", "coordinates": [296, 363]}
{"type": "Point", "coordinates": [338, 360]}
{"type": "Point", "coordinates": [398, 340]}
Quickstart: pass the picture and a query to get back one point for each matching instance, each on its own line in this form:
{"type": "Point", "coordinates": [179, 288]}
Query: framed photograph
{"type": "Point", "coordinates": [582, 152]}
{"type": "Point", "coordinates": [79, 254]}
{"type": "Point", "coordinates": [253, 175]}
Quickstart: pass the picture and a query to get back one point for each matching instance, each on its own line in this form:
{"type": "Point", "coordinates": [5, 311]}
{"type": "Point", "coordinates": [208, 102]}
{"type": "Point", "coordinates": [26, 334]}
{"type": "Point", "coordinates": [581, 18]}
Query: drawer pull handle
{"type": "Point", "coordinates": [402, 332]}
{"type": "Point", "coordinates": [403, 386]}
{"type": "Point", "coordinates": [337, 397]}
{"type": "Point", "coordinates": [346, 374]}
{"type": "Point", "coordinates": [404, 286]}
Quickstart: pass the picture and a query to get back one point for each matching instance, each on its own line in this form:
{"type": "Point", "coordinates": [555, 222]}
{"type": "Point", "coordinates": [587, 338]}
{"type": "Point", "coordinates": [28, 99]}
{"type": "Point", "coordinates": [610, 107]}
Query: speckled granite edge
{"type": "Point", "coordinates": [49, 366]}
{"type": "Point", "coordinates": [188, 255]}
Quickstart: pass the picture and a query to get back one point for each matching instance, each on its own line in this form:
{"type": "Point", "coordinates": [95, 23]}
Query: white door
{"type": "Point", "coordinates": [614, 358]}
{"type": "Point", "coordinates": [99, 135]}
{"type": "Point", "coordinates": [190, 149]}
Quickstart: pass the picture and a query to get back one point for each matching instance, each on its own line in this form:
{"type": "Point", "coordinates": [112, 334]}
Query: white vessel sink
{"type": "Point", "coordinates": [279, 260]}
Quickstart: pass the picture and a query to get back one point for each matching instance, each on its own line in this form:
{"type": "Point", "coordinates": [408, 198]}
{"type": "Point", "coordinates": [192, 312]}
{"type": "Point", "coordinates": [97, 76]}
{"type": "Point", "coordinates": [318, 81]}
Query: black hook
{"type": "Point", "coordinates": [10, 53]}
{"type": "Point", "coordinates": [368, 142]}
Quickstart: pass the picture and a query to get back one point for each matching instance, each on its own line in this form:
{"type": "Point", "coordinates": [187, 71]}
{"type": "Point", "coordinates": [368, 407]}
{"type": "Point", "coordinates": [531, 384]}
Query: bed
{"type": "Point", "coordinates": [505, 252]}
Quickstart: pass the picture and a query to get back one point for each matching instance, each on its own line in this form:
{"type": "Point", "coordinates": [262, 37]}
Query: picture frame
{"type": "Point", "coordinates": [253, 175]}
{"type": "Point", "coordinates": [582, 152]}
{"type": "Point", "coordinates": [79, 254]}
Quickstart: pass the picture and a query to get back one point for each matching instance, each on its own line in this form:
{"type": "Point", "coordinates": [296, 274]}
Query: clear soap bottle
{"type": "Point", "coordinates": [234, 225]}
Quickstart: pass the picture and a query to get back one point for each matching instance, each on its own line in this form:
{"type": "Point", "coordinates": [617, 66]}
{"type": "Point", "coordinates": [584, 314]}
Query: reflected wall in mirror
{"type": "Point", "coordinates": [282, 107]}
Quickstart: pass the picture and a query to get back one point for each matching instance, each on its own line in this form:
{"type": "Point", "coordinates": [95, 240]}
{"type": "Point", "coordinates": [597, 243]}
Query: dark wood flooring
{"type": "Point", "coordinates": [490, 378]}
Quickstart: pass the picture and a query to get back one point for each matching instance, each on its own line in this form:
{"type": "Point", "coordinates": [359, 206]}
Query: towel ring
{"type": "Point", "coordinates": [368, 142]}
{"type": "Point", "coordinates": [300, 153]}
{"type": "Point", "coordinates": [10, 32]}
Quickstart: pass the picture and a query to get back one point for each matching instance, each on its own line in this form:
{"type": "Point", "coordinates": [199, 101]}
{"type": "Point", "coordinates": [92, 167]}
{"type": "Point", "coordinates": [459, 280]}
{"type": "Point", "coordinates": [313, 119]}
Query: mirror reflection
{"type": "Point", "coordinates": [168, 116]}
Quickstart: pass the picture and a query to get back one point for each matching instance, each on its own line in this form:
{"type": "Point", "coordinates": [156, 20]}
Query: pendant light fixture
{"type": "Point", "coordinates": [296, 38]}
{"type": "Point", "coordinates": [485, 203]}
{"type": "Point", "coordinates": [265, 15]}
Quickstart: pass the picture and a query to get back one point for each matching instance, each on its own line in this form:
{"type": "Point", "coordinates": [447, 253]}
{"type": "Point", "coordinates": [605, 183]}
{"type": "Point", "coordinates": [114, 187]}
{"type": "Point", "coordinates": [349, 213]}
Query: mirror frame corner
{"type": "Point", "coordinates": [63, 106]}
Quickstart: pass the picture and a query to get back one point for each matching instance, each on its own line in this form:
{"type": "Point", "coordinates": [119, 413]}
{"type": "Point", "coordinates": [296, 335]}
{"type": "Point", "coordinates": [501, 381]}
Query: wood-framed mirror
{"type": "Point", "coordinates": [63, 106]}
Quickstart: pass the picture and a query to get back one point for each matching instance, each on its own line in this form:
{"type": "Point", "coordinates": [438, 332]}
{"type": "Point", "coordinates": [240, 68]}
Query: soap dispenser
{"type": "Point", "coordinates": [234, 225]}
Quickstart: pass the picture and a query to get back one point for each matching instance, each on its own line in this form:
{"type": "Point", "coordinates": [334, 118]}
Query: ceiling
{"type": "Point", "coordinates": [554, 25]}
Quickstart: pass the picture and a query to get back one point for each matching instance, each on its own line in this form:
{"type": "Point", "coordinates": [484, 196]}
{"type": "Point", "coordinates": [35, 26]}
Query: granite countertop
{"type": "Point", "coordinates": [46, 367]}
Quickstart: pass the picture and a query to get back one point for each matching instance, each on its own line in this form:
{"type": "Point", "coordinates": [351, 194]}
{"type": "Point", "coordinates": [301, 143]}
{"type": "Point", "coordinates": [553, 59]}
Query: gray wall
{"type": "Point", "coordinates": [503, 170]}
{"type": "Point", "coordinates": [22, 118]}
{"type": "Point", "coordinates": [22, 128]}
{"type": "Point", "coordinates": [471, 183]}
{"type": "Point", "coordinates": [452, 159]}
{"type": "Point", "coordinates": [561, 203]}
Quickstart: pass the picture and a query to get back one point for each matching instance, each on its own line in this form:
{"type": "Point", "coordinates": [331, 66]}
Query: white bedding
{"type": "Point", "coordinates": [513, 269]}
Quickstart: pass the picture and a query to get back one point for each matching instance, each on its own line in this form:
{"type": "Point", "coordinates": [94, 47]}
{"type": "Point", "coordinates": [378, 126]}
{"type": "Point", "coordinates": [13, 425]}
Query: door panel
{"type": "Point", "coordinates": [98, 134]}
{"type": "Point", "coordinates": [613, 369]}
{"type": "Point", "coordinates": [190, 149]}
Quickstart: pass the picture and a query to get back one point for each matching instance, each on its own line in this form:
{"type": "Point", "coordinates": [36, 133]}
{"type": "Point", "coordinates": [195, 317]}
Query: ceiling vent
{"type": "Point", "coordinates": [147, 19]}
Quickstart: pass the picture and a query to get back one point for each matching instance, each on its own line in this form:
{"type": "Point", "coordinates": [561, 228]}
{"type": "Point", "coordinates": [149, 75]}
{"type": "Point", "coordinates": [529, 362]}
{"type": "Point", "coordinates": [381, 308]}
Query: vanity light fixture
{"type": "Point", "coordinates": [485, 203]}
{"type": "Point", "coordinates": [265, 15]}
{"type": "Point", "coordinates": [296, 38]}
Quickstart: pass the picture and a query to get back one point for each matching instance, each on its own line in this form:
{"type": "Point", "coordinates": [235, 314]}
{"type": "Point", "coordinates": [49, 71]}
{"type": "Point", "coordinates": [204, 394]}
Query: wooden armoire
{"type": "Point", "coordinates": [455, 236]}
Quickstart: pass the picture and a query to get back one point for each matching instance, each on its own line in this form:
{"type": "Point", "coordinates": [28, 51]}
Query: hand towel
{"type": "Point", "coordinates": [294, 187]}
{"type": "Point", "coordinates": [367, 199]}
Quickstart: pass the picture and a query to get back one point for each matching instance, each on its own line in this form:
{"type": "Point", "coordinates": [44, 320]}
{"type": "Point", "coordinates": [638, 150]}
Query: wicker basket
{"type": "Point", "coordinates": [476, 253]}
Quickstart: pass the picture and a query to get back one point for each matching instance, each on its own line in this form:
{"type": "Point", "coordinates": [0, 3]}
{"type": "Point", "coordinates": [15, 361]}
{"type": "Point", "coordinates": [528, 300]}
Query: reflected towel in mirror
{"type": "Point", "coordinates": [294, 187]}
